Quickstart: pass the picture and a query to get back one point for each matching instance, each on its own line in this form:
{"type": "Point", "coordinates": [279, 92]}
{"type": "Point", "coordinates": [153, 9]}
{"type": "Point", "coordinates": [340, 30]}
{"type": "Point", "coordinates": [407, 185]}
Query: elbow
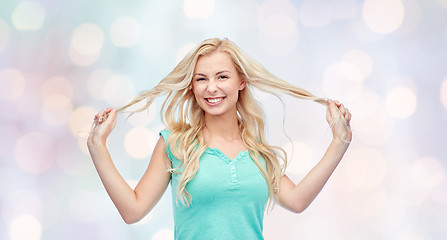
{"type": "Point", "coordinates": [128, 220]}
{"type": "Point", "coordinates": [299, 208]}
{"type": "Point", "coordinates": [132, 218]}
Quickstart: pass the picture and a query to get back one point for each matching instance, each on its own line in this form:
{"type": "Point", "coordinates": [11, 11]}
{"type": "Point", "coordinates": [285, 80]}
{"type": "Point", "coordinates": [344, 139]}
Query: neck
{"type": "Point", "coordinates": [224, 126]}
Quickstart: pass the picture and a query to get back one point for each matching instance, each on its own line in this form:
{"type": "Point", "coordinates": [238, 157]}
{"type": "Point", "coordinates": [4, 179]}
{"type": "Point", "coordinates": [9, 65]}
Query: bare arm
{"type": "Point", "coordinates": [131, 204]}
{"type": "Point", "coordinates": [297, 198]}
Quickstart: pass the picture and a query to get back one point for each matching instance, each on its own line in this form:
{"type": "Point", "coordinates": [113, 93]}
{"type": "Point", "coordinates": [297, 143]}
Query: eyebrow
{"type": "Point", "coordinates": [220, 72]}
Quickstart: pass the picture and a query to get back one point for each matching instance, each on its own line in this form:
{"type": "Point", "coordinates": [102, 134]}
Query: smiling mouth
{"type": "Point", "coordinates": [214, 100]}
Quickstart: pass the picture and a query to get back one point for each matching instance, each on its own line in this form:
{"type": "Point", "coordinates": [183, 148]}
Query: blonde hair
{"type": "Point", "coordinates": [184, 118]}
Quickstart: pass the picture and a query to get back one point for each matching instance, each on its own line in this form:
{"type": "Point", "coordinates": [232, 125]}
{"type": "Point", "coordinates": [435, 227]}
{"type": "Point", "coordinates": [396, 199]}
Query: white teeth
{"type": "Point", "coordinates": [214, 100]}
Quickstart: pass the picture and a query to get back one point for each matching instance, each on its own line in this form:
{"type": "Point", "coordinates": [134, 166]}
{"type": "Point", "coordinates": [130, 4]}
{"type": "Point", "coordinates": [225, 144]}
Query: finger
{"type": "Point", "coordinates": [342, 110]}
{"type": "Point", "coordinates": [348, 118]}
{"type": "Point", "coordinates": [328, 112]}
{"type": "Point", "coordinates": [111, 119]}
{"type": "Point", "coordinates": [333, 109]}
{"type": "Point", "coordinates": [110, 115]}
{"type": "Point", "coordinates": [102, 116]}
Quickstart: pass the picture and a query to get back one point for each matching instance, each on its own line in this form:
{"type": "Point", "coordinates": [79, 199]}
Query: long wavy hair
{"type": "Point", "coordinates": [182, 115]}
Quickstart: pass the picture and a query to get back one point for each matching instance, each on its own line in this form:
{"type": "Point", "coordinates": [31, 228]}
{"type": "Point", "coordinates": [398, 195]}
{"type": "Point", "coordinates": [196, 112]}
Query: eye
{"type": "Point", "coordinates": [200, 79]}
{"type": "Point", "coordinates": [223, 77]}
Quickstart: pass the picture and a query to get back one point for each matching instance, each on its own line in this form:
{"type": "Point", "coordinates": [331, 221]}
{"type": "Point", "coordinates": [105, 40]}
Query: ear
{"type": "Point", "coordinates": [242, 84]}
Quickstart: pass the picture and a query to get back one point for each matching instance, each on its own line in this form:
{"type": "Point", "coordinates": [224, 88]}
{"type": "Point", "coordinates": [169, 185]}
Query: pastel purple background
{"type": "Point", "coordinates": [62, 61]}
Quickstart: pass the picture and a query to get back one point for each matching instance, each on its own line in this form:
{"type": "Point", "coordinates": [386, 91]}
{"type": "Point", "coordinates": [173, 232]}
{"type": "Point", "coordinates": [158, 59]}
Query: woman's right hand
{"type": "Point", "coordinates": [104, 123]}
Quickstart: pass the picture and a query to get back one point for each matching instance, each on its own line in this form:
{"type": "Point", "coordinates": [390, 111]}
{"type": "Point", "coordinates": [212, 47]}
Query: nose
{"type": "Point", "coordinates": [212, 86]}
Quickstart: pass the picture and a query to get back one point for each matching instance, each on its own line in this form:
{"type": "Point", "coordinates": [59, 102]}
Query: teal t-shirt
{"type": "Point", "coordinates": [228, 198]}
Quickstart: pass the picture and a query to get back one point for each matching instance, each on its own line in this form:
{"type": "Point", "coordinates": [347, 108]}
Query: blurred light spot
{"type": "Point", "coordinates": [21, 203]}
{"type": "Point", "coordinates": [57, 85]}
{"type": "Point", "coordinates": [25, 227]}
{"type": "Point", "coordinates": [315, 13]}
{"type": "Point", "coordinates": [118, 90]}
{"type": "Point", "coordinates": [370, 125]}
{"type": "Point", "coordinates": [141, 118]}
{"type": "Point", "coordinates": [56, 110]}
{"type": "Point", "coordinates": [301, 161]}
{"type": "Point", "coordinates": [163, 234]}
{"type": "Point", "coordinates": [80, 59]}
{"type": "Point", "coordinates": [429, 172]}
{"type": "Point", "coordinates": [4, 35]}
{"type": "Point", "coordinates": [12, 84]}
{"type": "Point", "coordinates": [444, 93]}
{"type": "Point", "coordinates": [198, 8]}
{"type": "Point", "coordinates": [157, 39]}
{"type": "Point", "coordinates": [278, 33]}
{"type": "Point", "coordinates": [81, 121]}
{"type": "Point", "coordinates": [87, 39]}
{"type": "Point", "coordinates": [97, 80]}
{"type": "Point", "coordinates": [125, 32]}
{"type": "Point", "coordinates": [365, 168]}
{"type": "Point", "coordinates": [401, 102]}
{"type": "Point", "coordinates": [28, 15]}
{"type": "Point", "coordinates": [34, 152]}
{"type": "Point", "coordinates": [343, 79]}
{"type": "Point", "coordinates": [86, 206]}
{"type": "Point", "coordinates": [140, 142]}
{"type": "Point", "coordinates": [86, 44]}
{"type": "Point", "coordinates": [184, 50]}
{"type": "Point", "coordinates": [343, 9]}
{"type": "Point", "coordinates": [360, 59]}
{"type": "Point", "coordinates": [383, 16]}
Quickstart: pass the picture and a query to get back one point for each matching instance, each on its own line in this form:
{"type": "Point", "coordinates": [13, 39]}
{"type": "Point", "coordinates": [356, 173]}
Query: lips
{"type": "Point", "coordinates": [214, 101]}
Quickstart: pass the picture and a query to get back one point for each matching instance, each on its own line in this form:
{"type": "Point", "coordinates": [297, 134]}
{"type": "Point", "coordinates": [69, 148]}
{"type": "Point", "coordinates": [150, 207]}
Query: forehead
{"type": "Point", "coordinates": [215, 61]}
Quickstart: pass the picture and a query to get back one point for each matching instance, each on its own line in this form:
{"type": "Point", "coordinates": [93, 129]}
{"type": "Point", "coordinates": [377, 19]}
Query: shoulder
{"type": "Point", "coordinates": [165, 134]}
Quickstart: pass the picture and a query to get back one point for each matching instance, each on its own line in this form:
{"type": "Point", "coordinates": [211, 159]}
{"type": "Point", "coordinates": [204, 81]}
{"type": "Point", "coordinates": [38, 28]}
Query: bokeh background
{"type": "Point", "coordinates": [63, 61]}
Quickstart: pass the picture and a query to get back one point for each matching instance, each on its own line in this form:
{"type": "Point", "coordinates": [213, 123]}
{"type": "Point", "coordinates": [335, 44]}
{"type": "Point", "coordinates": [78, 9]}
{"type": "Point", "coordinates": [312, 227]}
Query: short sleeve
{"type": "Point", "coordinates": [165, 134]}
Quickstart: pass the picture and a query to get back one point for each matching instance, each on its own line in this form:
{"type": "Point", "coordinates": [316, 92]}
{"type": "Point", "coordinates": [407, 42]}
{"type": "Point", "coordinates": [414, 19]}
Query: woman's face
{"type": "Point", "coordinates": [216, 84]}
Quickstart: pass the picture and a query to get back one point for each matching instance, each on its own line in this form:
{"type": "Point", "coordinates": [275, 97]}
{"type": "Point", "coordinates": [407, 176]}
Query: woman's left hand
{"type": "Point", "coordinates": [340, 125]}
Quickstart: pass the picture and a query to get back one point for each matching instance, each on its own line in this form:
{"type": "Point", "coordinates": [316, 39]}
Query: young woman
{"type": "Point", "coordinates": [213, 150]}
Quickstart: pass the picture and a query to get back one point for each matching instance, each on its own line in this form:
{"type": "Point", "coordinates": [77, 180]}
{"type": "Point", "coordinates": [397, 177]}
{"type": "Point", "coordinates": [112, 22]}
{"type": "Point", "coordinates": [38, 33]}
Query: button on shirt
{"type": "Point", "coordinates": [229, 197]}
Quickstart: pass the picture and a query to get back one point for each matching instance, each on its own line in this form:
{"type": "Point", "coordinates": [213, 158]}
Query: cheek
{"type": "Point", "coordinates": [196, 90]}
